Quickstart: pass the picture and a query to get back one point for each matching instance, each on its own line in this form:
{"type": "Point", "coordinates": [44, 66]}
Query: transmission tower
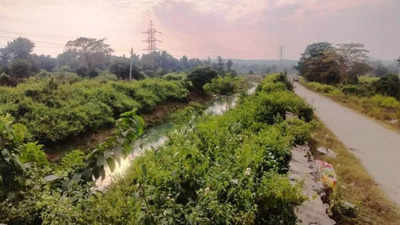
{"type": "Point", "coordinates": [151, 39]}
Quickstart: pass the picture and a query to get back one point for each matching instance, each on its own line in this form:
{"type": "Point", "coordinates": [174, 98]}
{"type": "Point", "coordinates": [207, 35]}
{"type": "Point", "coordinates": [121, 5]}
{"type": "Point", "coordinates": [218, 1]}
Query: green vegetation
{"type": "Point", "coordinates": [228, 169]}
{"type": "Point", "coordinates": [340, 73]}
{"type": "Point", "coordinates": [362, 98]}
{"type": "Point", "coordinates": [200, 77]}
{"type": "Point", "coordinates": [226, 85]}
{"type": "Point", "coordinates": [389, 86]}
{"type": "Point", "coordinates": [54, 108]}
{"type": "Point", "coordinates": [91, 57]}
{"type": "Point", "coordinates": [355, 185]}
{"type": "Point", "coordinates": [30, 185]}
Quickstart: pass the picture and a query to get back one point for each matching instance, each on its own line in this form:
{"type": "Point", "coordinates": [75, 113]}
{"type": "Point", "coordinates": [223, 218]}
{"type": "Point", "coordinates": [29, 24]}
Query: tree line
{"type": "Point", "coordinates": [343, 64]}
{"type": "Point", "coordinates": [89, 57]}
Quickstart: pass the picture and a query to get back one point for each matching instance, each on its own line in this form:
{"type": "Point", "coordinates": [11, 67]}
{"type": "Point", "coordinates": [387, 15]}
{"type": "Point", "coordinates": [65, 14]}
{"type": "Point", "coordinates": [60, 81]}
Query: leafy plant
{"type": "Point", "coordinates": [32, 152]}
{"type": "Point", "coordinates": [226, 85]}
{"type": "Point", "coordinates": [226, 169]}
{"type": "Point", "coordinates": [199, 77]}
{"type": "Point", "coordinates": [60, 106]}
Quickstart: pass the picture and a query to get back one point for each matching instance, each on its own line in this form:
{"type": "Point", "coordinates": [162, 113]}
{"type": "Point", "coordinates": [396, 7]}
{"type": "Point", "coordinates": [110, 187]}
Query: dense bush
{"type": "Point", "coordinates": [12, 137]}
{"type": "Point", "coordinates": [56, 107]}
{"type": "Point", "coordinates": [226, 85]}
{"type": "Point", "coordinates": [33, 191]}
{"type": "Point", "coordinates": [388, 85]}
{"type": "Point", "coordinates": [359, 90]}
{"type": "Point", "coordinates": [199, 77]}
{"type": "Point", "coordinates": [385, 102]}
{"type": "Point", "coordinates": [324, 88]}
{"type": "Point", "coordinates": [227, 169]}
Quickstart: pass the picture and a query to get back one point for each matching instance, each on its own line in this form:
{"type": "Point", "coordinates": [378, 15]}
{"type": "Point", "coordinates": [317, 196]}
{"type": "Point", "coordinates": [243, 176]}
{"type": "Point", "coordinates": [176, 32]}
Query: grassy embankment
{"type": "Point", "coordinates": [224, 169]}
{"type": "Point", "coordinates": [360, 98]}
{"type": "Point", "coordinates": [355, 185]}
{"type": "Point", "coordinates": [68, 112]}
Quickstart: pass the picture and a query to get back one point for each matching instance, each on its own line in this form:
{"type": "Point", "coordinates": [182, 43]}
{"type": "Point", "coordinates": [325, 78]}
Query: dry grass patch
{"type": "Point", "coordinates": [355, 185]}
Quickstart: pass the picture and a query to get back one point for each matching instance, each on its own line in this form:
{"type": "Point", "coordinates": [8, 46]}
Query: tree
{"type": "Point", "coordinates": [220, 64]}
{"type": "Point", "coordinates": [20, 48]}
{"type": "Point", "coordinates": [355, 59]}
{"type": "Point", "coordinates": [398, 61]}
{"type": "Point", "coordinates": [44, 62]}
{"type": "Point", "coordinates": [381, 70]}
{"type": "Point", "coordinates": [121, 67]}
{"type": "Point", "coordinates": [352, 53]}
{"type": "Point", "coordinates": [325, 68]}
{"type": "Point", "coordinates": [313, 51]}
{"type": "Point", "coordinates": [20, 68]}
{"type": "Point", "coordinates": [229, 65]}
{"type": "Point", "coordinates": [201, 76]}
{"type": "Point", "coordinates": [388, 85]}
{"type": "Point", "coordinates": [91, 53]}
{"type": "Point", "coordinates": [69, 61]}
{"type": "Point", "coordinates": [184, 62]}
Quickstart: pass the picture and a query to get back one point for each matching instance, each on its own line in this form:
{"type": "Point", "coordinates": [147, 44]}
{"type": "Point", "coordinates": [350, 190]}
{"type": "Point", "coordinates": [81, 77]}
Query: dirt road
{"type": "Point", "coordinates": [377, 147]}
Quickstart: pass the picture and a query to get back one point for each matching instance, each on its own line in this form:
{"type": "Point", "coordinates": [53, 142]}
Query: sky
{"type": "Point", "coordinates": [247, 29]}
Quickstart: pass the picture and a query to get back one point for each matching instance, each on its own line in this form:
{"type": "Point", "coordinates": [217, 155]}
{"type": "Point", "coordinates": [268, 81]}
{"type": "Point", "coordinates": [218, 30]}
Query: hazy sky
{"type": "Point", "coordinates": [200, 28]}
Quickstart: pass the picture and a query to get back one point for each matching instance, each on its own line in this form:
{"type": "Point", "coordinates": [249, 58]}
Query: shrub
{"type": "Point", "coordinates": [199, 77]}
{"type": "Point", "coordinates": [20, 68]}
{"type": "Point", "coordinates": [175, 76]}
{"type": "Point", "coordinates": [72, 161]}
{"type": "Point", "coordinates": [284, 79]}
{"type": "Point", "coordinates": [359, 90]}
{"type": "Point", "coordinates": [57, 107]}
{"type": "Point", "coordinates": [32, 152]}
{"type": "Point", "coordinates": [226, 169]}
{"type": "Point", "coordinates": [106, 76]}
{"type": "Point", "coordinates": [386, 102]}
{"type": "Point", "coordinates": [324, 88]}
{"type": "Point", "coordinates": [226, 85]}
{"type": "Point", "coordinates": [367, 79]}
{"type": "Point", "coordinates": [12, 136]}
{"type": "Point", "coordinates": [388, 85]}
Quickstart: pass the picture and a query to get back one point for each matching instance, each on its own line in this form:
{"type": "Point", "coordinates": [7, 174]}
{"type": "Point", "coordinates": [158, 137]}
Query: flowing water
{"type": "Point", "coordinates": [156, 137]}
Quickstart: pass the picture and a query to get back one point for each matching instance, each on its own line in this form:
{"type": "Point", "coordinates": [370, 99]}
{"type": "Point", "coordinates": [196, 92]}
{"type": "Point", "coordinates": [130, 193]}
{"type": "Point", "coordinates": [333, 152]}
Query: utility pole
{"type": "Point", "coordinates": [131, 65]}
{"type": "Point", "coordinates": [151, 38]}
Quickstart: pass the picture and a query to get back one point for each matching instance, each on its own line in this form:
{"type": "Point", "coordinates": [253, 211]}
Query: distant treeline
{"type": "Point", "coordinates": [89, 57]}
{"type": "Point", "coordinates": [342, 63]}
{"type": "Point", "coordinates": [263, 66]}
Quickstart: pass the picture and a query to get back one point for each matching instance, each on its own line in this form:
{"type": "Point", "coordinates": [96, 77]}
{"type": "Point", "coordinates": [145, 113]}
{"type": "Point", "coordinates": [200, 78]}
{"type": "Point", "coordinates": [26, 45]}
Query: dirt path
{"type": "Point", "coordinates": [377, 147]}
